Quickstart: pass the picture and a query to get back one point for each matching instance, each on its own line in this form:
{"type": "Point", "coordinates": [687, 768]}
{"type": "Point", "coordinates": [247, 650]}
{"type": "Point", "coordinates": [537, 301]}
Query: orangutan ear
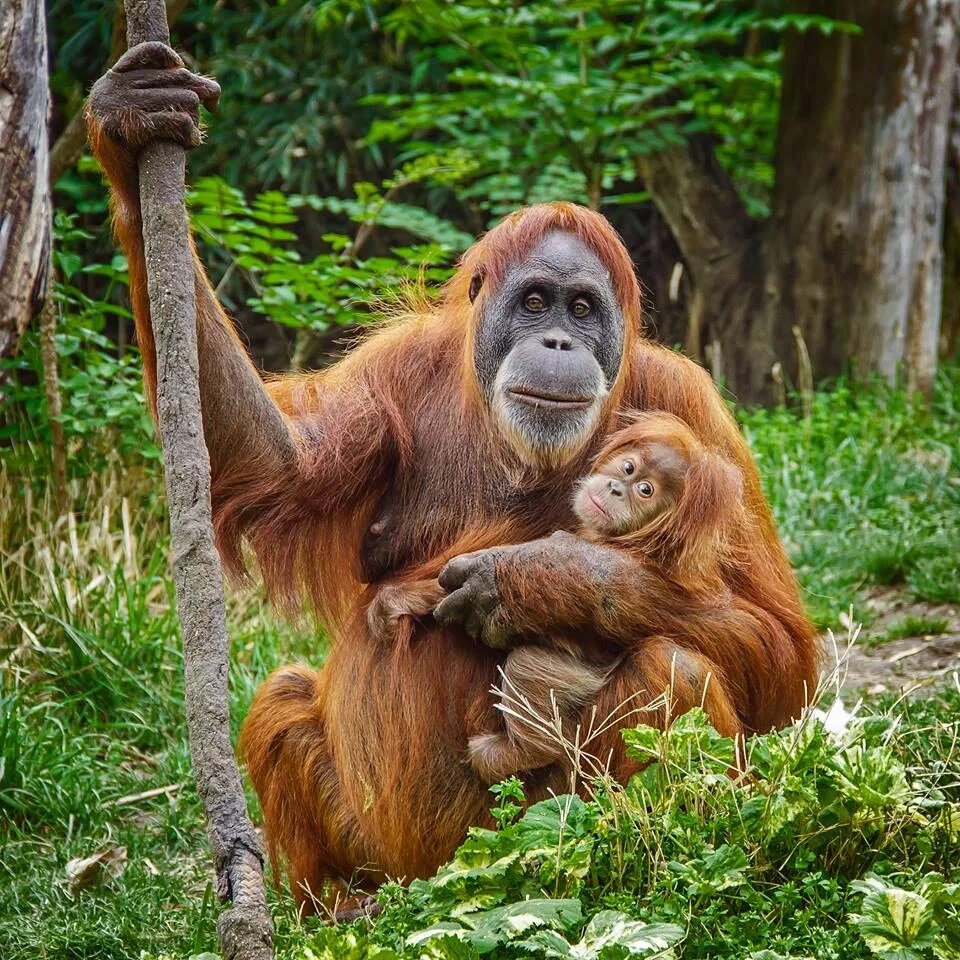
{"type": "Point", "coordinates": [475, 284]}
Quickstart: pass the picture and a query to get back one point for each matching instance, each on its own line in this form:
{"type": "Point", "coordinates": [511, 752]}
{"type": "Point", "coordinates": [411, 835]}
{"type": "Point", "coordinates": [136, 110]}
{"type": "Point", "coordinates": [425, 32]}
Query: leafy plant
{"type": "Point", "coordinates": [335, 288]}
{"type": "Point", "coordinates": [101, 385]}
{"type": "Point", "coordinates": [587, 87]}
{"type": "Point", "coordinates": [824, 844]}
{"type": "Point", "coordinates": [900, 924]}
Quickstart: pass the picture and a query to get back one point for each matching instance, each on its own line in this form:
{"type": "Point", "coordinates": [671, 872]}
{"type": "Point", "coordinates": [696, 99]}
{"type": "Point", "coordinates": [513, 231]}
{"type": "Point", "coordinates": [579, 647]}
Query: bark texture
{"type": "Point", "coordinates": [245, 929]}
{"type": "Point", "coordinates": [852, 254]}
{"type": "Point", "coordinates": [24, 165]}
{"type": "Point", "coordinates": [858, 208]}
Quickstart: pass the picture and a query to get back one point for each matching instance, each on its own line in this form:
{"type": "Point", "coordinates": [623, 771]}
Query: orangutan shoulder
{"type": "Point", "coordinates": [665, 379]}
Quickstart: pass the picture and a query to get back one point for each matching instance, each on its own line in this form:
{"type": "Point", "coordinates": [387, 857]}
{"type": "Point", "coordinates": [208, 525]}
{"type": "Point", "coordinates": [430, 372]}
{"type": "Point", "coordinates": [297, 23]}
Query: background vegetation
{"type": "Point", "coordinates": [357, 146]}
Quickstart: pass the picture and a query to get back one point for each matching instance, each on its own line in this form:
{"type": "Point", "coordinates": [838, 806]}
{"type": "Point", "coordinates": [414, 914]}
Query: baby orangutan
{"type": "Point", "coordinates": [653, 490]}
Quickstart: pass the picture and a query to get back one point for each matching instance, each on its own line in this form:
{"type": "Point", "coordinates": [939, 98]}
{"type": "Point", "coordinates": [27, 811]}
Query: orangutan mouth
{"type": "Point", "coordinates": [598, 504]}
{"type": "Point", "coordinates": [536, 398]}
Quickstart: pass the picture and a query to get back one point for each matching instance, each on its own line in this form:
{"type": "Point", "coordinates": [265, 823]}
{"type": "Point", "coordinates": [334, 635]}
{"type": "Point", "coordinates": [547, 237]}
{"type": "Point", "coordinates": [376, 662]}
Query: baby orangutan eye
{"type": "Point", "coordinates": [645, 488]}
{"type": "Point", "coordinates": [628, 467]}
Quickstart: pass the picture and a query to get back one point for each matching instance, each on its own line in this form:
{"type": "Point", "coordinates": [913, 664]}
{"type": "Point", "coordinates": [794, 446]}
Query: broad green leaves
{"type": "Point", "coordinates": [338, 287]}
{"type": "Point", "coordinates": [788, 859]}
{"type": "Point", "coordinates": [491, 928]}
{"type": "Point", "coordinates": [901, 924]}
{"type": "Point", "coordinates": [543, 928]}
{"type": "Point", "coordinates": [610, 935]}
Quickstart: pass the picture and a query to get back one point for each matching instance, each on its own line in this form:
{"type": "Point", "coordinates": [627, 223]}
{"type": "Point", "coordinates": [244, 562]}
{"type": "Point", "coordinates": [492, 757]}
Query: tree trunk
{"type": "Point", "coordinates": [950, 324]}
{"type": "Point", "coordinates": [727, 328]}
{"type": "Point", "coordinates": [851, 258]}
{"type": "Point", "coordinates": [245, 929]}
{"type": "Point", "coordinates": [24, 159]}
{"type": "Point", "coordinates": [854, 244]}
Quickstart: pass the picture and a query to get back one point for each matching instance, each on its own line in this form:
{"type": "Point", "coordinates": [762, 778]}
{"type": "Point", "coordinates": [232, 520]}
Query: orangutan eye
{"type": "Point", "coordinates": [580, 307]}
{"type": "Point", "coordinates": [534, 303]}
{"type": "Point", "coordinates": [628, 467]}
{"type": "Point", "coordinates": [645, 488]}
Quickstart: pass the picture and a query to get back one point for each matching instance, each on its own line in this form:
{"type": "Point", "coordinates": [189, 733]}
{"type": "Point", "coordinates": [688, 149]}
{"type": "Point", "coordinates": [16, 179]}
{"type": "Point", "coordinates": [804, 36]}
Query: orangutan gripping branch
{"type": "Point", "coordinates": [657, 492]}
{"type": "Point", "coordinates": [479, 411]}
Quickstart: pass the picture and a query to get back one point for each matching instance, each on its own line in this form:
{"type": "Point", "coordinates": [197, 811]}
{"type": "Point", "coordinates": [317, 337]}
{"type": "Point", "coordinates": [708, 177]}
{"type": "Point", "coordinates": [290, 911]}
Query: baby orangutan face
{"type": "Point", "coordinates": [630, 489]}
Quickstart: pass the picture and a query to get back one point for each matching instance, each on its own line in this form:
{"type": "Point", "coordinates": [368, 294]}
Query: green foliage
{"type": "Point", "coordinates": [900, 924]}
{"type": "Point", "coordinates": [102, 386]}
{"type": "Point", "coordinates": [828, 845]}
{"type": "Point", "coordinates": [337, 287]}
{"type": "Point", "coordinates": [864, 491]}
{"type": "Point", "coordinates": [586, 87]}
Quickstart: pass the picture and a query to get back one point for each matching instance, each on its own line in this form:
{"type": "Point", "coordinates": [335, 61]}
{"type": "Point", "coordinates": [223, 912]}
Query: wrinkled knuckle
{"type": "Point", "coordinates": [453, 574]}
{"type": "Point", "coordinates": [443, 612]}
{"type": "Point", "coordinates": [160, 53]}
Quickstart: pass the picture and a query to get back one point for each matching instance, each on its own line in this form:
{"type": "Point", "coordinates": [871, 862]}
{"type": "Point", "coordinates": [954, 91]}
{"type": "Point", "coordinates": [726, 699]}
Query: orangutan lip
{"type": "Point", "coordinates": [537, 399]}
{"type": "Point", "coordinates": [598, 504]}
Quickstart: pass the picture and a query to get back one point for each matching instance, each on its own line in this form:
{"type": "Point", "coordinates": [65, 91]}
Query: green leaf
{"type": "Point", "coordinates": [609, 935]}
{"type": "Point", "coordinates": [720, 870]}
{"type": "Point", "coordinates": [489, 929]}
{"type": "Point", "coordinates": [895, 924]}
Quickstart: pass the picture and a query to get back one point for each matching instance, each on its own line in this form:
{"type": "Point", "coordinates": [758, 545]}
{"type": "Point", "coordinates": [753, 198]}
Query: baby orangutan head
{"type": "Point", "coordinates": [655, 486]}
{"type": "Point", "coordinates": [630, 488]}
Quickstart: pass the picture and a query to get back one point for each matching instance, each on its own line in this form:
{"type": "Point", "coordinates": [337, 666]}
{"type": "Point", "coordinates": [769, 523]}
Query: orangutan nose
{"type": "Point", "coordinates": [557, 339]}
{"type": "Point", "coordinates": [616, 487]}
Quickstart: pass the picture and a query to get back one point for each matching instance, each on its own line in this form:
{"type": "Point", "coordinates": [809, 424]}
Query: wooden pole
{"type": "Point", "coordinates": [245, 930]}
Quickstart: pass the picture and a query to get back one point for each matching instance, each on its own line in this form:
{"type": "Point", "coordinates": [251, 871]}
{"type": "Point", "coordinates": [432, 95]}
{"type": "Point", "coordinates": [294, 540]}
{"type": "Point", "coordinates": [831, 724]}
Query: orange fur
{"type": "Point", "coordinates": [360, 766]}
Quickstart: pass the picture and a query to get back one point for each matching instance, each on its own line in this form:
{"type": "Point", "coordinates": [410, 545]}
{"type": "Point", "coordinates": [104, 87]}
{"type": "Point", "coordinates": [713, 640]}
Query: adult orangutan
{"type": "Point", "coordinates": [481, 409]}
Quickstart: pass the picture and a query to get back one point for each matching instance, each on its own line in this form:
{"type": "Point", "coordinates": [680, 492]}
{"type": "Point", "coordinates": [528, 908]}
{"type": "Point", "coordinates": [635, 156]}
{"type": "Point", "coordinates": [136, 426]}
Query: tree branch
{"type": "Point", "coordinates": [698, 201]}
{"type": "Point", "coordinates": [245, 929]}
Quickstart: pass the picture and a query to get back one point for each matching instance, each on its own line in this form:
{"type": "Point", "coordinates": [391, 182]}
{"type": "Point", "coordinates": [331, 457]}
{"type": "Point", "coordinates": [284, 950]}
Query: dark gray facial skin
{"type": "Point", "coordinates": [548, 348]}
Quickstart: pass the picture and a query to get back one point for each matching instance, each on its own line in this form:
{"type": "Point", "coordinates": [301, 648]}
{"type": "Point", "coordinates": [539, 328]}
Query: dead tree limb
{"type": "Point", "coordinates": [245, 929]}
{"type": "Point", "coordinates": [51, 390]}
{"type": "Point", "coordinates": [24, 158]}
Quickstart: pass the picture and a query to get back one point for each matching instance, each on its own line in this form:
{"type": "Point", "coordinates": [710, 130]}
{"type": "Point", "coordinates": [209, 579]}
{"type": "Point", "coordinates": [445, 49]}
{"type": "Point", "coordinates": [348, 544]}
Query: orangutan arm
{"type": "Point", "coordinates": [281, 453]}
{"type": "Point", "coordinates": [566, 586]}
{"type": "Point", "coordinates": [560, 584]}
{"type": "Point", "coordinates": [149, 95]}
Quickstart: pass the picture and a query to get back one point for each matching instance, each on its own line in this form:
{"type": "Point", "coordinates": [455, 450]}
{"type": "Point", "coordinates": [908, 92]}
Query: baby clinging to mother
{"type": "Point", "coordinates": [653, 490]}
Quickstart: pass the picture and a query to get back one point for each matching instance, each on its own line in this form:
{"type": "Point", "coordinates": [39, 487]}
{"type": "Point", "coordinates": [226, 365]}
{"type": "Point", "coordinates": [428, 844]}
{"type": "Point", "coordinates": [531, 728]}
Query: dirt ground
{"type": "Point", "coordinates": [875, 665]}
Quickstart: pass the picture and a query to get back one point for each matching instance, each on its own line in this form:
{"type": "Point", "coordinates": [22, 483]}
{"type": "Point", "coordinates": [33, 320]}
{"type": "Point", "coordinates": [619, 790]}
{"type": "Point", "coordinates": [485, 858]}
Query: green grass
{"type": "Point", "coordinates": [866, 493]}
{"type": "Point", "coordinates": [91, 706]}
{"type": "Point", "coordinates": [914, 626]}
{"type": "Point", "coordinates": [92, 711]}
